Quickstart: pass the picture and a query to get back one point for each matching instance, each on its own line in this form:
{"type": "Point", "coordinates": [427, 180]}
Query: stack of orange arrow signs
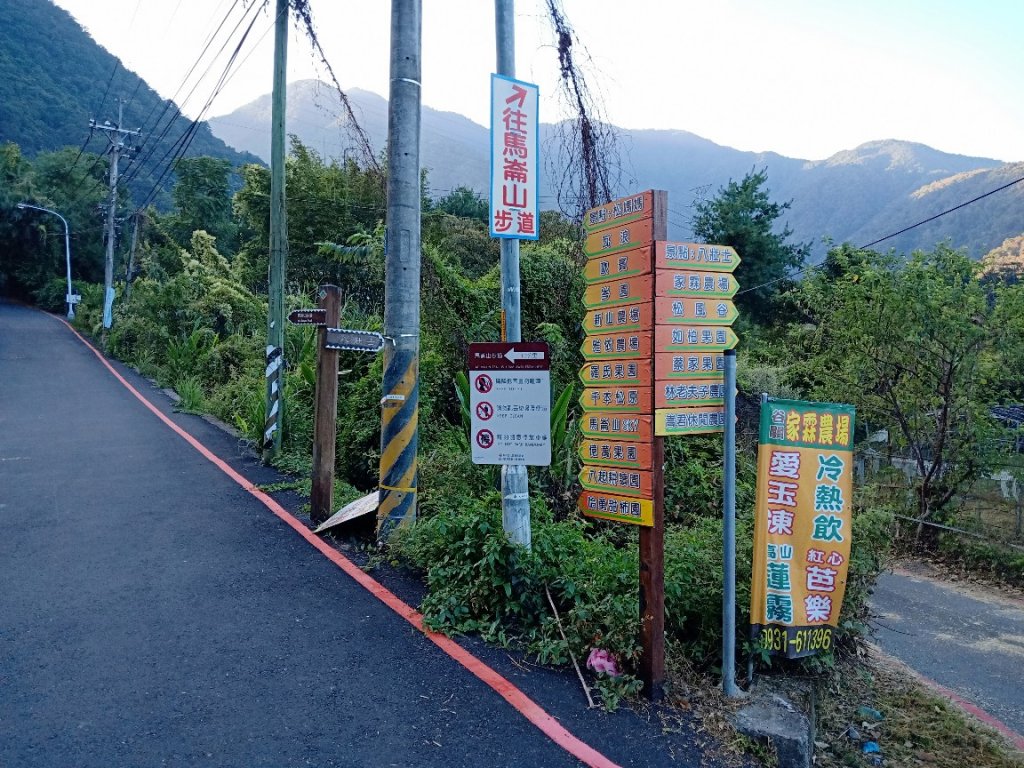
{"type": "Point", "coordinates": [657, 323]}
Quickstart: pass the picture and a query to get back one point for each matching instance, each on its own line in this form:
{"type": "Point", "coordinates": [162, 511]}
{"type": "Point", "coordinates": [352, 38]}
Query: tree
{"type": "Point", "coordinates": [742, 215]}
{"type": "Point", "coordinates": [202, 201]}
{"type": "Point", "coordinates": [464, 203]}
{"type": "Point", "coordinates": [327, 202]}
{"type": "Point", "coordinates": [32, 249]}
{"type": "Point", "coordinates": [920, 347]}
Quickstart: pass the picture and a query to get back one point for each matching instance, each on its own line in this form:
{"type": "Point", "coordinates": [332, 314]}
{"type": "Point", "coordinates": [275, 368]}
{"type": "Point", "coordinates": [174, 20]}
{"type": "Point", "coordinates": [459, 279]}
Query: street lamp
{"type": "Point", "coordinates": [67, 252]}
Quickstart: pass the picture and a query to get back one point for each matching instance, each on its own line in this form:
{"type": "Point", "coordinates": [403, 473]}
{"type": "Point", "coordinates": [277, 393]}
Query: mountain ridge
{"type": "Point", "coordinates": [856, 195]}
{"type": "Point", "coordinates": [54, 77]}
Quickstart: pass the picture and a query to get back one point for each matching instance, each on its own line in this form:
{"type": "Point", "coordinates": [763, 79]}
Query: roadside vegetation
{"type": "Point", "coordinates": [924, 345]}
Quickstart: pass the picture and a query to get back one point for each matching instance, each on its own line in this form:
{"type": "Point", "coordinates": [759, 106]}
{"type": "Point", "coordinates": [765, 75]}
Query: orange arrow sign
{"type": "Point", "coordinates": [631, 290]}
{"type": "Point", "coordinates": [688, 365]}
{"type": "Point", "coordinates": [700, 256]}
{"type": "Point", "coordinates": [691, 283]}
{"type": "Point", "coordinates": [621, 237]}
{"type": "Point", "coordinates": [617, 373]}
{"type": "Point", "coordinates": [626, 264]}
{"type": "Point", "coordinates": [693, 338]}
{"type": "Point", "coordinates": [621, 211]}
{"type": "Point", "coordinates": [635, 317]}
{"type": "Point", "coordinates": [617, 399]}
{"type": "Point", "coordinates": [613, 453]}
{"type": "Point", "coordinates": [611, 426]}
{"type": "Point", "coordinates": [622, 508]}
{"type": "Point", "coordinates": [624, 482]}
{"type": "Point", "coordinates": [694, 311]}
{"type": "Point", "coordinates": [617, 346]}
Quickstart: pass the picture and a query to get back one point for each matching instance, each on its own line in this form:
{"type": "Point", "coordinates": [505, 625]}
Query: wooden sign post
{"type": "Point", "coordinates": [657, 324]}
{"type": "Point", "coordinates": [618, 405]}
{"type": "Point", "coordinates": [325, 420]}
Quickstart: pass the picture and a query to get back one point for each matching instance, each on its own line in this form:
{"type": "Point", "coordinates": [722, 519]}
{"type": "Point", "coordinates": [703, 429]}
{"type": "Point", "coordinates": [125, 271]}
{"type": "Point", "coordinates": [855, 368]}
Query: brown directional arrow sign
{"type": "Point", "coordinates": [308, 317]}
{"type": "Point", "coordinates": [356, 341]}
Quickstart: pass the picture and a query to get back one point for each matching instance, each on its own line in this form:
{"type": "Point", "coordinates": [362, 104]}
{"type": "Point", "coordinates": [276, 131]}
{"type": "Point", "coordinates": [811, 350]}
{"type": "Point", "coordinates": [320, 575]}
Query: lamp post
{"type": "Point", "coordinates": [67, 252]}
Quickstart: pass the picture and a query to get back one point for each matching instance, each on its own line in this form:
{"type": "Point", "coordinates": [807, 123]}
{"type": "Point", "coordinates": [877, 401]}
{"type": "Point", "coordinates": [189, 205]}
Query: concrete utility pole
{"type": "Point", "coordinates": [515, 488]}
{"type": "Point", "coordinates": [278, 244]}
{"type": "Point", "coordinates": [116, 135]}
{"type": "Point", "coordinates": [400, 404]}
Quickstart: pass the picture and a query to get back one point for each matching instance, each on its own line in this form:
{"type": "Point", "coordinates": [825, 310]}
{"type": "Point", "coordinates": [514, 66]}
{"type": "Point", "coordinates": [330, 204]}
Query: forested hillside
{"type": "Point", "coordinates": [857, 195]}
{"type": "Point", "coordinates": [54, 78]}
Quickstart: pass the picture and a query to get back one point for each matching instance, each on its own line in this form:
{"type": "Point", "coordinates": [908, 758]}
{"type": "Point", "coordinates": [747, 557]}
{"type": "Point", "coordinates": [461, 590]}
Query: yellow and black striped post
{"type": "Point", "coordinates": [399, 438]}
{"type": "Point", "coordinates": [400, 403]}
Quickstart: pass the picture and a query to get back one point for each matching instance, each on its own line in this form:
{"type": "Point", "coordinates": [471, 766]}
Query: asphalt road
{"type": "Point", "coordinates": [153, 613]}
{"type": "Point", "coordinates": [960, 637]}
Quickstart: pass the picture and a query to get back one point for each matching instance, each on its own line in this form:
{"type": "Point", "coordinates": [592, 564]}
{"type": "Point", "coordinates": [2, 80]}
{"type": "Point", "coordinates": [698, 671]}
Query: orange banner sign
{"type": "Point", "coordinates": [632, 290]}
{"type": "Point", "coordinates": [617, 346]}
{"type": "Point", "coordinates": [669, 366]}
{"type": "Point", "coordinates": [626, 264]}
{"type": "Point", "coordinates": [612, 453]}
{"type": "Point", "coordinates": [803, 526]}
{"type": "Point", "coordinates": [699, 256]}
{"type": "Point", "coordinates": [617, 399]}
{"type": "Point", "coordinates": [689, 421]}
{"type": "Point", "coordinates": [611, 426]}
{"type": "Point", "coordinates": [622, 508]}
{"type": "Point", "coordinates": [621, 211]}
{"type": "Point", "coordinates": [625, 482]}
{"type": "Point", "coordinates": [635, 317]}
{"type": "Point", "coordinates": [623, 237]}
{"type": "Point", "coordinates": [617, 373]}
{"type": "Point", "coordinates": [693, 338]}
{"type": "Point", "coordinates": [698, 285]}
{"type": "Point", "coordinates": [674, 394]}
{"type": "Point", "coordinates": [694, 311]}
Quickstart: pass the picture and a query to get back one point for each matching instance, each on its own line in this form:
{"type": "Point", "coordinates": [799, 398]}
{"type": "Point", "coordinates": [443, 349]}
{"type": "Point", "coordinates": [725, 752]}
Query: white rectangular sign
{"type": "Point", "coordinates": [515, 212]}
{"type": "Point", "coordinates": [510, 403]}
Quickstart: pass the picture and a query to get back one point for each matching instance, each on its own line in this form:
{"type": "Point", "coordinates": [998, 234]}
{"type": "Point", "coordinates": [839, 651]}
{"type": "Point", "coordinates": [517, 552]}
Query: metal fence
{"type": "Point", "coordinates": [992, 509]}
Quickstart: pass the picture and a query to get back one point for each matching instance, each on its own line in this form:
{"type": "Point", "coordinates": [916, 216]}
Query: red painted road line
{"type": "Point", "coordinates": [519, 700]}
{"type": "Point", "coordinates": [992, 722]}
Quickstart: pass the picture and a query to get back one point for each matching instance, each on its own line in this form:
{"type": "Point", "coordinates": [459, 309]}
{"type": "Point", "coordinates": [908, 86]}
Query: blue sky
{"type": "Point", "coordinates": [805, 79]}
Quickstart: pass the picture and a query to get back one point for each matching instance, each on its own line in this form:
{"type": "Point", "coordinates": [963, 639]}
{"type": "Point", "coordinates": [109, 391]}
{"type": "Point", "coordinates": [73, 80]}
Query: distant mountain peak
{"type": "Point", "coordinates": [856, 195]}
{"type": "Point", "coordinates": [910, 156]}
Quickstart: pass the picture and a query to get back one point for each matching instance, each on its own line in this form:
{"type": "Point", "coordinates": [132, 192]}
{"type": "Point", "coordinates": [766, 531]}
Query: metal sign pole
{"type": "Point", "coordinates": [729, 532]}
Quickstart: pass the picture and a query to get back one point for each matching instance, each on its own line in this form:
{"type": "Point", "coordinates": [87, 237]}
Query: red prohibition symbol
{"type": "Point", "coordinates": [484, 383]}
{"type": "Point", "coordinates": [485, 438]}
{"type": "Point", "coordinates": [484, 410]}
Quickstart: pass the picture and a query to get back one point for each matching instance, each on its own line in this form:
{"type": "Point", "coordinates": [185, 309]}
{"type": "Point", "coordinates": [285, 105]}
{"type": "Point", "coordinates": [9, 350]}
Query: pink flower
{"type": "Point", "coordinates": [600, 661]}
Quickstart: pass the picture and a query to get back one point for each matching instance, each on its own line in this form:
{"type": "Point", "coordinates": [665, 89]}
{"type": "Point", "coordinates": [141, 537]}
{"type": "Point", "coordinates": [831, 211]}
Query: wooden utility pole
{"type": "Point", "coordinates": [325, 429]}
{"type": "Point", "coordinates": [137, 220]}
{"type": "Point", "coordinates": [652, 539]}
{"type": "Point", "coordinates": [278, 243]}
{"type": "Point", "coordinates": [399, 437]}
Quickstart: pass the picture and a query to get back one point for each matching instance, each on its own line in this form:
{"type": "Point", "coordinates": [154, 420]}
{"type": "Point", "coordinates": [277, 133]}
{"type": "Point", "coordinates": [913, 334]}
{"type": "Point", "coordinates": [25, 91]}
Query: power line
{"type": "Point", "coordinates": [159, 138]}
{"type": "Point", "coordinates": [181, 146]}
{"type": "Point", "coordinates": [890, 236]}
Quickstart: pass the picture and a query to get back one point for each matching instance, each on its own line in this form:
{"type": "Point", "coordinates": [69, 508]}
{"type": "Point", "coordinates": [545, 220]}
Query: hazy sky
{"type": "Point", "coordinates": [805, 78]}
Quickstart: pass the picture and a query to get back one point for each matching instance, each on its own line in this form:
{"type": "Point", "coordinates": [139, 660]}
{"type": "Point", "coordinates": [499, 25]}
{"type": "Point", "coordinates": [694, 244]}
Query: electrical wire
{"type": "Point", "coordinates": [181, 146]}
{"type": "Point", "coordinates": [890, 236]}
